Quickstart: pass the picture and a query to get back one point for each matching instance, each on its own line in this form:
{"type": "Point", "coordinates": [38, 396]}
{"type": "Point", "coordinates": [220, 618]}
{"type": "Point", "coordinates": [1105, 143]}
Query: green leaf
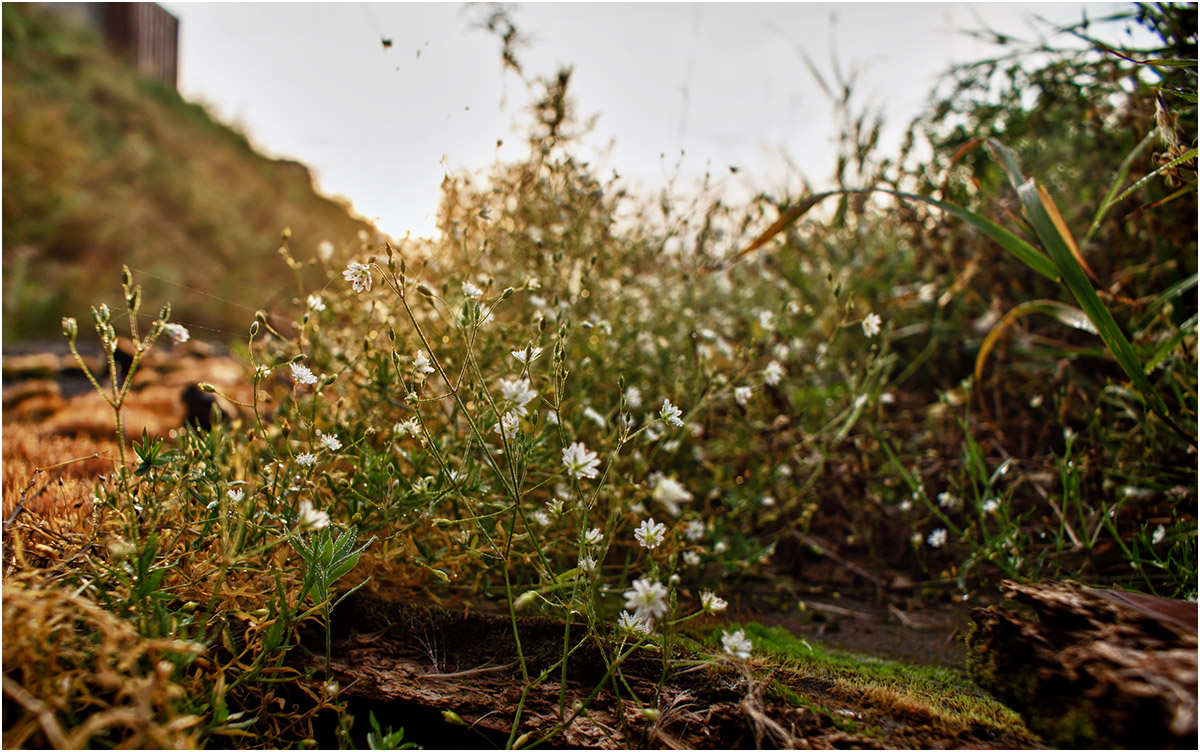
{"type": "Point", "coordinates": [1034, 200]}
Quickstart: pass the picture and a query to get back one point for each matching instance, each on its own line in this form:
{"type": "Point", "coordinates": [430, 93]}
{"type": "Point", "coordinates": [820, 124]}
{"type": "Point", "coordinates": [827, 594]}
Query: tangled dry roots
{"type": "Point", "coordinates": [75, 675]}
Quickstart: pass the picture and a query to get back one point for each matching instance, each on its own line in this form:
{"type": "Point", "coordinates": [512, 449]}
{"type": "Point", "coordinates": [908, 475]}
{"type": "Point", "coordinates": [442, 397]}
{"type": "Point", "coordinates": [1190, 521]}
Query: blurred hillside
{"type": "Point", "coordinates": [103, 167]}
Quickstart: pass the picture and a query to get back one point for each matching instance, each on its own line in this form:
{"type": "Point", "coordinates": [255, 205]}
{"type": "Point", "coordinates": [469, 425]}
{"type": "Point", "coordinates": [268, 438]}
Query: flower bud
{"type": "Point", "coordinates": [204, 386]}
{"type": "Point", "coordinates": [70, 327]}
{"type": "Point", "coordinates": [508, 291]}
{"type": "Point", "coordinates": [454, 719]}
{"type": "Point", "coordinates": [525, 599]}
{"type": "Point", "coordinates": [424, 290]}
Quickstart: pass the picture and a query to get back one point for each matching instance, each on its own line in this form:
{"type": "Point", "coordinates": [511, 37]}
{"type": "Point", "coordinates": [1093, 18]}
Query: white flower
{"type": "Point", "coordinates": [633, 397]}
{"type": "Point", "coordinates": [236, 495]}
{"type": "Point", "coordinates": [691, 558]}
{"type": "Point", "coordinates": [508, 425]}
{"type": "Point", "coordinates": [421, 363]}
{"type": "Point", "coordinates": [309, 518]}
{"type": "Point", "coordinates": [177, 332]}
{"type": "Point", "coordinates": [766, 319]}
{"type": "Point", "coordinates": [329, 441]}
{"type": "Point", "coordinates": [527, 356]}
{"type": "Point", "coordinates": [302, 374]}
{"type": "Point", "coordinates": [773, 373]}
{"type": "Point", "coordinates": [648, 599]}
{"type": "Point", "coordinates": [470, 290]}
{"type": "Point", "coordinates": [650, 533]}
{"type": "Point", "coordinates": [947, 500]}
{"type": "Point", "coordinates": [906, 505]}
{"type": "Point", "coordinates": [593, 537]}
{"type": "Point", "coordinates": [594, 416]}
{"type": "Point", "coordinates": [712, 603]}
{"type": "Point", "coordinates": [671, 413]}
{"type": "Point", "coordinates": [316, 303]}
{"type": "Point", "coordinates": [991, 505]}
{"type": "Point", "coordinates": [915, 538]}
{"type": "Point", "coordinates": [871, 324]}
{"type": "Point", "coordinates": [580, 462]}
{"type": "Point", "coordinates": [737, 644]}
{"type": "Point", "coordinates": [1160, 532]}
{"type": "Point", "coordinates": [358, 275]}
{"type": "Point", "coordinates": [720, 547]}
{"type": "Point", "coordinates": [324, 250]}
{"type": "Point", "coordinates": [694, 530]}
{"type": "Point", "coordinates": [670, 493]}
{"type": "Point", "coordinates": [517, 393]}
{"type": "Point", "coordinates": [741, 394]}
{"type": "Point", "coordinates": [555, 505]}
{"type": "Point", "coordinates": [306, 459]}
{"type": "Point", "coordinates": [587, 564]}
{"type": "Point", "coordinates": [408, 427]}
{"type": "Point", "coordinates": [937, 538]}
{"type": "Point", "coordinates": [630, 623]}
{"type": "Point", "coordinates": [540, 517]}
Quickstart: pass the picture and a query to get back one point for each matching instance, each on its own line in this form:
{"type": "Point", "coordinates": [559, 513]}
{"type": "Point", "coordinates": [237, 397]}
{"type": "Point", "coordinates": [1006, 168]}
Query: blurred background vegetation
{"type": "Point", "coordinates": [103, 167]}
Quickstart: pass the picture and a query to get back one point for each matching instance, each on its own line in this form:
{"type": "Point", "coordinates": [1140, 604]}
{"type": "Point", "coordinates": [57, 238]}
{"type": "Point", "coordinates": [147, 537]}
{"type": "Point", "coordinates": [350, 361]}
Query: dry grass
{"type": "Point", "coordinates": [109, 684]}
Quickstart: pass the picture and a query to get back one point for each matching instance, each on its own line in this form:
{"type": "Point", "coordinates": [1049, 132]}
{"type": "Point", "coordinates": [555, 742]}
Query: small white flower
{"type": "Point", "coordinates": [650, 534]}
{"type": "Point", "coordinates": [540, 517]}
{"type": "Point", "coordinates": [580, 462]}
{"type": "Point", "coordinates": [358, 275]}
{"type": "Point", "coordinates": [773, 373]}
{"type": "Point", "coordinates": [587, 564]}
{"type": "Point", "coordinates": [906, 505]}
{"type": "Point", "coordinates": [593, 537]}
{"type": "Point", "coordinates": [670, 413]}
{"type": "Point", "coordinates": [741, 394]}
{"type": "Point", "coordinates": [631, 624]}
{"type": "Point", "coordinates": [508, 425]}
{"type": "Point", "coordinates": [991, 505]}
{"type": "Point", "coordinates": [872, 324]}
{"type": "Point", "coordinates": [1035, 401]}
{"type": "Point", "coordinates": [306, 459]}
{"type": "Point", "coordinates": [528, 355]}
{"type": "Point", "coordinates": [737, 644]}
{"type": "Point", "coordinates": [236, 495]}
{"type": "Point", "coordinates": [633, 398]}
{"type": "Point", "coordinates": [421, 363]}
{"type": "Point", "coordinates": [1160, 532]}
{"type": "Point", "coordinates": [712, 603]}
{"type": "Point", "coordinates": [915, 538]}
{"type": "Point", "coordinates": [691, 558]}
{"type": "Point", "coordinates": [694, 530]}
{"type": "Point", "coordinates": [471, 291]}
{"type": "Point", "coordinates": [517, 393]}
{"type": "Point", "coordinates": [720, 547]}
{"type": "Point", "coordinates": [316, 303]}
{"type": "Point", "coordinates": [670, 493]}
{"type": "Point", "coordinates": [947, 500]}
{"type": "Point", "coordinates": [329, 441]}
{"type": "Point", "coordinates": [325, 251]}
{"type": "Point", "coordinates": [937, 538]}
{"type": "Point", "coordinates": [594, 416]}
{"type": "Point", "coordinates": [309, 518]}
{"type": "Point", "coordinates": [302, 373]}
{"type": "Point", "coordinates": [408, 427]}
{"type": "Point", "coordinates": [177, 332]}
{"type": "Point", "coordinates": [648, 599]}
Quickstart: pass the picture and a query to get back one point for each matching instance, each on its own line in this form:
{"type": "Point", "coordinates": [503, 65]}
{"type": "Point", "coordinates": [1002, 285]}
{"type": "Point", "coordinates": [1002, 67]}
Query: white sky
{"type": "Point", "coordinates": [721, 81]}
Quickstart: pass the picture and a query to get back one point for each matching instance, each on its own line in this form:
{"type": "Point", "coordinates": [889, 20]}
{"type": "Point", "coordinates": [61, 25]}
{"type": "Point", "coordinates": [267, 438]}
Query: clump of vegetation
{"type": "Point", "coordinates": [615, 416]}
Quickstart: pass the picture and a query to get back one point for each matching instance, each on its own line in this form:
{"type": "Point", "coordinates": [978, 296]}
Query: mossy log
{"type": "Point", "coordinates": [453, 680]}
{"type": "Point", "coordinates": [1091, 668]}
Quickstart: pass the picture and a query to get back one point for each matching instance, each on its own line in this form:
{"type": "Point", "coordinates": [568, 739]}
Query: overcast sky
{"type": "Point", "coordinates": [723, 82]}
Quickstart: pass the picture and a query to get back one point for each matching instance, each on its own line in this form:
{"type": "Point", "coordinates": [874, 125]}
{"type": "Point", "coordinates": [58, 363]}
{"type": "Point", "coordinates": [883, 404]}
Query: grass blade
{"type": "Point", "coordinates": [1036, 201]}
